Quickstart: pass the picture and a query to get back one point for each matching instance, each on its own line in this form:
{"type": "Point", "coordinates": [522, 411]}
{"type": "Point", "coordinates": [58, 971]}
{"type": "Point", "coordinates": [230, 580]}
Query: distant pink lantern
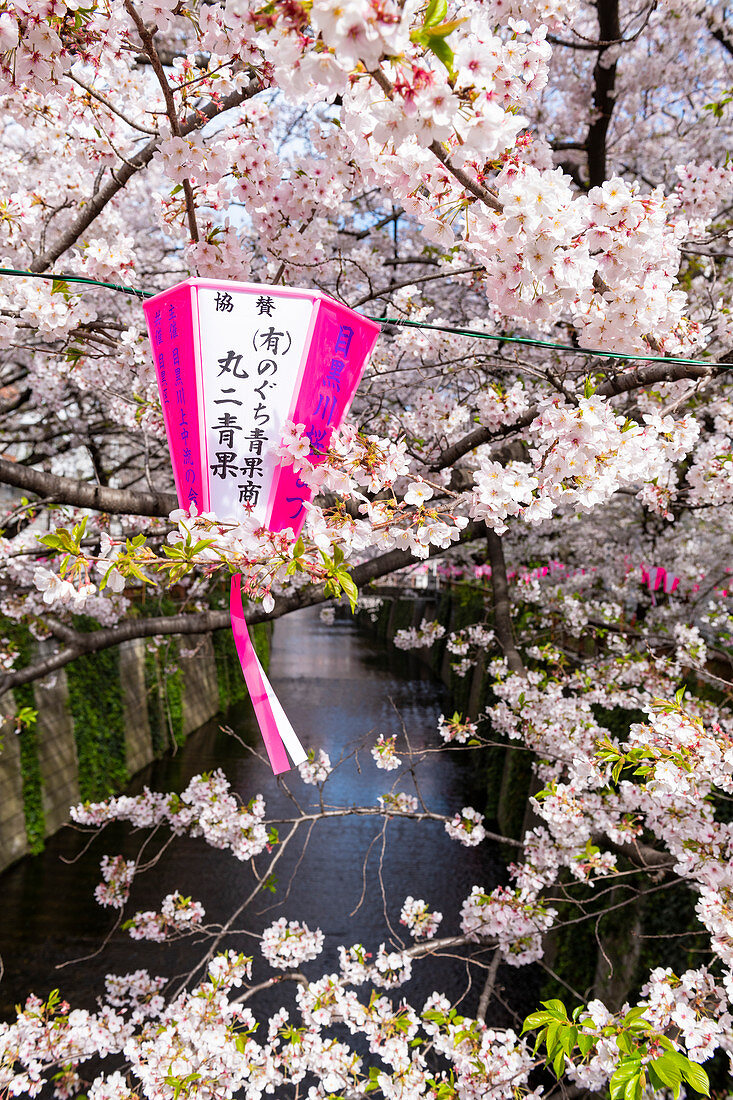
{"type": "Point", "coordinates": [234, 361]}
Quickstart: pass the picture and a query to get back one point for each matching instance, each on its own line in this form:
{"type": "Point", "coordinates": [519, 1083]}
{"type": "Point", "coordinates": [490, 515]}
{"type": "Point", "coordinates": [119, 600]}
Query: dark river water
{"type": "Point", "coordinates": [340, 690]}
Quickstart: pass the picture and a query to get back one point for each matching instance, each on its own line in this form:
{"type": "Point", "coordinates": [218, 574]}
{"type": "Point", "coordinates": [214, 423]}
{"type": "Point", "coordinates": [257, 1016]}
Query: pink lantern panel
{"type": "Point", "coordinates": [340, 346]}
{"type": "Point", "coordinates": [170, 325]}
{"type": "Point", "coordinates": [234, 361]}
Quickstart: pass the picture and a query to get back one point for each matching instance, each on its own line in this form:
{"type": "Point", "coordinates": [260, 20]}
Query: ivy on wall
{"type": "Point", "coordinates": [30, 771]}
{"type": "Point", "coordinates": [30, 768]}
{"type": "Point", "coordinates": [97, 712]}
{"type": "Point", "coordinates": [232, 688]}
{"type": "Point", "coordinates": [95, 702]}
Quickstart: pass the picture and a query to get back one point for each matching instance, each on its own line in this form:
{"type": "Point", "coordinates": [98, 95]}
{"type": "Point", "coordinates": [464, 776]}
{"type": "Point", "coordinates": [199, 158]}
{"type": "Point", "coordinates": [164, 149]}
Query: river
{"type": "Point", "coordinates": [340, 689]}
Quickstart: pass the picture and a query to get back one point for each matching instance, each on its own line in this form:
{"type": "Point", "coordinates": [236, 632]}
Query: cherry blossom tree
{"type": "Point", "coordinates": [537, 197]}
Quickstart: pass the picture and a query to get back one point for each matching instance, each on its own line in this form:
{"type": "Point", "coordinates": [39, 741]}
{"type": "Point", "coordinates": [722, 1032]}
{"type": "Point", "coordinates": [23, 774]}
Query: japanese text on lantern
{"type": "Point", "coordinates": [321, 404]}
{"type": "Point", "coordinates": [176, 395]}
{"type": "Point", "coordinates": [250, 363]}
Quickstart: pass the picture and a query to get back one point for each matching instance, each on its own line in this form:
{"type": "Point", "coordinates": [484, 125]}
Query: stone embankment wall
{"type": "Point", "coordinates": [102, 719]}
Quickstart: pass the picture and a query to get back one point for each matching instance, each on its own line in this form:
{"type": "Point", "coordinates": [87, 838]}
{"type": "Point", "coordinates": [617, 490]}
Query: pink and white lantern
{"type": "Point", "coordinates": [234, 361]}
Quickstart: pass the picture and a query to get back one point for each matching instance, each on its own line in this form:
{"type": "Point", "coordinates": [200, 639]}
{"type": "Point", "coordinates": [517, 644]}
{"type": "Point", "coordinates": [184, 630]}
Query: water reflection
{"type": "Point", "coordinates": [338, 688]}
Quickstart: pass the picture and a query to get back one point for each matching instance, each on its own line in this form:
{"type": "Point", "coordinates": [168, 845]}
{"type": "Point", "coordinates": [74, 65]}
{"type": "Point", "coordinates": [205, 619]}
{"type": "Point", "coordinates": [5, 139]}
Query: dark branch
{"type": "Point", "coordinates": [604, 98]}
{"type": "Point", "coordinates": [502, 603]}
{"type": "Point", "coordinates": [66, 490]}
{"type": "Point", "coordinates": [78, 643]}
{"type": "Point", "coordinates": [647, 375]}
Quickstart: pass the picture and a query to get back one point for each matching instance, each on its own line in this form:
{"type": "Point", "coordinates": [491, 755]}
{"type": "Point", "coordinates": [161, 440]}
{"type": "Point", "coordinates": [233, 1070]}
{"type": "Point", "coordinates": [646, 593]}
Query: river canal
{"type": "Point", "coordinates": [340, 689]}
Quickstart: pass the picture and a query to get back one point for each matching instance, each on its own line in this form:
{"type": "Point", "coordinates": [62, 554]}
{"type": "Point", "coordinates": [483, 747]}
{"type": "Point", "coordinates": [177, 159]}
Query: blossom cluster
{"type": "Point", "coordinates": [287, 944]}
{"type": "Point", "coordinates": [206, 808]}
{"type": "Point", "coordinates": [422, 922]}
{"type": "Point", "coordinates": [177, 916]}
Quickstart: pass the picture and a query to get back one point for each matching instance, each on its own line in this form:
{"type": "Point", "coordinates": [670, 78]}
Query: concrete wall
{"type": "Point", "coordinates": [138, 741]}
{"type": "Point", "coordinates": [200, 684]}
{"type": "Point", "coordinates": [57, 746]}
{"type": "Point", "coordinates": [56, 750]}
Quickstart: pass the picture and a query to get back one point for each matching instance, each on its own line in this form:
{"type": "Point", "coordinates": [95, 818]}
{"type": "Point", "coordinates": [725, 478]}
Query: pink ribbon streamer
{"type": "Point", "coordinates": [255, 682]}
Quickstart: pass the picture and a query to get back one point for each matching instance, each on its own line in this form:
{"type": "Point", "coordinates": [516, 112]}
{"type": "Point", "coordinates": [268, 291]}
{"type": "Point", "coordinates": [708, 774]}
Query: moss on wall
{"type": "Point", "coordinates": [95, 702]}
{"type": "Point", "coordinates": [232, 688]}
{"type": "Point", "coordinates": [30, 771]}
{"type": "Point", "coordinates": [30, 768]}
{"type": "Point", "coordinates": [154, 691]}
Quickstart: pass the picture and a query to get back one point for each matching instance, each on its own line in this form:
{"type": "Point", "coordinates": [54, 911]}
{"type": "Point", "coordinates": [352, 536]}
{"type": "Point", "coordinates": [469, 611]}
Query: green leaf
{"type": "Point", "coordinates": [435, 12]}
{"type": "Point", "coordinates": [635, 1086]}
{"type": "Point", "coordinates": [551, 1040]}
{"type": "Point", "coordinates": [624, 1043]}
{"type": "Point", "coordinates": [558, 1063]}
{"type": "Point", "coordinates": [667, 1072]}
{"type": "Point", "coordinates": [556, 1009]}
{"type": "Point", "coordinates": [441, 31]}
{"type": "Point", "coordinates": [627, 1072]}
{"type": "Point", "coordinates": [568, 1039]}
{"type": "Point", "coordinates": [586, 1043]}
{"type": "Point", "coordinates": [696, 1076]}
{"type": "Point", "coordinates": [442, 51]}
{"type": "Point", "coordinates": [537, 1019]}
{"type": "Point", "coordinates": [352, 592]}
{"type": "Point", "coordinates": [634, 1014]}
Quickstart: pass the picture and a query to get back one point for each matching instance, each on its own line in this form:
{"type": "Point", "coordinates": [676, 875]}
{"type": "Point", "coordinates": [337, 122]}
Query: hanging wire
{"type": "Point", "coordinates": [530, 342]}
{"type": "Point", "coordinates": [526, 341]}
{"type": "Point", "coordinates": [79, 279]}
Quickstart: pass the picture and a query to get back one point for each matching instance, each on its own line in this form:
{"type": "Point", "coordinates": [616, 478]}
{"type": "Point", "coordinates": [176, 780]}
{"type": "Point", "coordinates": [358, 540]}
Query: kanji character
{"type": "Point", "coordinates": [326, 405]}
{"type": "Point", "coordinates": [249, 494]}
{"type": "Point", "coordinates": [229, 364]}
{"type": "Point", "coordinates": [255, 437]}
{"type": "Point", "coordinates": [223, 467]}
{"type": "Point", "coordinates": [226, 428]}
{"type": "Point", "coordinates": [251, 466]}
{"type": "Point", "coordinates": [223, 302]}
{"type": "Point", "coordinates": [269, 340]}
{"type": "Point", "coordinates": [343, 340]}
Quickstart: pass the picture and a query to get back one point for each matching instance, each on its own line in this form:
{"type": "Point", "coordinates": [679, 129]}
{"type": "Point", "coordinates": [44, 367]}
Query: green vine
{"type": "Point", "coordinates": [96, 705]}
{"type": "Point", "coordinates": [232, 688]}
{"type": "Point", "coordinates": [30, 768]}
{"type": "Point", "coordinates": [30, 772]}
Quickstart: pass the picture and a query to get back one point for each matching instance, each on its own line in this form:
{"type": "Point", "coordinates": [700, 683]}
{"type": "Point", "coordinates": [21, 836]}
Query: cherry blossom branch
{"type": "Point", "coordinates": [206, 621]}
{"type": "Point", "coordinates": [489, 984]}
{"type": "Point", "coordinates": [647, 375]}
{"type": "Point", "coordinates": [170, 107]}
{"type": "Point", "coordinates": [378, 811]}
{"type": "Point", "coordinates": [94, 205]}
{"type": "Point", "coordinates": [439, 151]}
{"type": "Point", "coordinates": [111, 107]}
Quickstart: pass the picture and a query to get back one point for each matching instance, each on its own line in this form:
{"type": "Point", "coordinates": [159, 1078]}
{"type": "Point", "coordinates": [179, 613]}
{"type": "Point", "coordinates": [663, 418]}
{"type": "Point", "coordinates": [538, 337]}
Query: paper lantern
{"type": "Point", "coordinates": [234, 361]}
